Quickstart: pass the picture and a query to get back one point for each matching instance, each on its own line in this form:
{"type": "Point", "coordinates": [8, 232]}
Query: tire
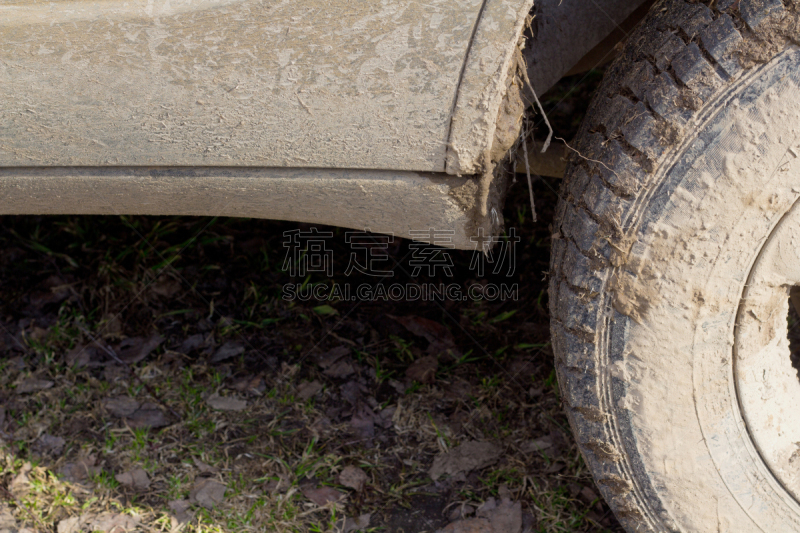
{"type": "Point", "coordinates": [673, 257]}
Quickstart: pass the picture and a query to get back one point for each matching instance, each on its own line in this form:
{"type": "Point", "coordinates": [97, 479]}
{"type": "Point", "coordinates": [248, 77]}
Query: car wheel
{"type": "Point", "coordinates": [676, 247]}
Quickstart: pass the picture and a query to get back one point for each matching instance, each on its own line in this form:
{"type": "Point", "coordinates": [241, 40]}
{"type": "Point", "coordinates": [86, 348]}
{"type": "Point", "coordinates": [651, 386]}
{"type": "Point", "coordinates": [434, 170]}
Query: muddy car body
{"type": "Point", "coordinates": [359, 115]}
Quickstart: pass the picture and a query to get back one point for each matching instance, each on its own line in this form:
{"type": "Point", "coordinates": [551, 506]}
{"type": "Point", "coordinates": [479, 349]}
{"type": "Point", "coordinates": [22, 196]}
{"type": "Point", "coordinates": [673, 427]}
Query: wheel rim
{"type": "Point", "coordinates": [767, 385]}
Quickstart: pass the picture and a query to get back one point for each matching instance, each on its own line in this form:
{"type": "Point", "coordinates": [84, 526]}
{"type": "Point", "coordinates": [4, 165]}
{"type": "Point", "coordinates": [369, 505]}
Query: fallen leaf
{"type": "Point", "coordinates": [225, 403]}
{"type": "Point", "coordinates": [47, 443]}
{"type": "Point", "coordinates": [505, 516]}
{"type": "Point", "coordinates": [353, 477]}
{"type": "Point", "coordinates": [136, 478]}
{"type": "Point", "coordinates": [78, 357]}
{"type": "Point", "coordinates": [491, 517]}
{"type": "Point", "coordinates": [7, 521]}
{"type": "Point", "coordinates": [180, 509]}
{"type": "Point", "coordinates": [148, 415]}
{"type": "Point", "coordinates": [54, 290]}
{"type": "Point", "coordinates": [70, 525]}
{"type": "Point", "coordinates": [82, 469]}
{"type": "Point", "coordinates": [348, 525]}
{"type": "Point", "coordinates": [207, 492]}
{"type": "Point", "coordinates": [135, 349]}
{"type": "Point", "coordinates": [472, 455]}
{"type": "Point", "coordinates": [340, 369]}
{"type": "Point", "coordinates": [423, 369]}
{"type": "Point", "coordinates": [113, 522]}
{"type": "Point", "coordinates": [165, 287]}
{"type": "Point", "coordinates": [33, 385]}
{"type": "Point", "coordinates": [322, 495]}
{"type": "Point", "coordinates": [121, 406]}
{"type": "Point", "coordinates": [363, 423]}
{"type": "Point", "coordinates": [308, 389]}
{"type": "Point", "coordinates": [278, 486]}
{"type": "Point", "coordinates": [227, 350]}
{"type": "Point", "coordinates": [192, 343]}
{"type": "Point", "coordinates": [537, 445]}
{"type": "Point", "coordinates": [204, 468]}
{"type": "Point", "coordinates": [20, 482]}
{"type": "Point", "coordinates": [353, 391]}
{"type": "Point", "coordinates": [253, 384]}
{"type": "Point", "coordinates": [326, 359]}
{"type": "Point", "coordinates": [433, 332]}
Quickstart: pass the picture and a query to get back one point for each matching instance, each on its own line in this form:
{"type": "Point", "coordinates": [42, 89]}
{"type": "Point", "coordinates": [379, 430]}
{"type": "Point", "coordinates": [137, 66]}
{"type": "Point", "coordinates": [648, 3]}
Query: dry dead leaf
{"type": "Point", "coordinates": [148, 415]}
{"type": "Point", "coordinates": [439, 337]}
{"type": "Point", "coordinates": [537, 445]}
{"type": "Point", "coordinates": [47, 443]}
{"type": "Point", "coordinates": [33, 385]}
{"type": "Point", "coordinates": [205, 468]}
{"type": "Point", "coordinates": [82, 469]}
{"type": "Point", "coordinates": [207, 492]}
{"type": "Point", "coordinates": [472, 455]}
{"type": "Point", "coordinates": [322, 495]}
{"type": "Point", "coordinates": [327, 359]}
{"type": "Point", "coordinates": [340, 369]}
{"type": "Point", "coordinates": [78, 357]}
{"type": "Point", "coordinates": [121, 406]}
{"type": "Point", "coordinates": [348, 525]}
{"type": "Point", "coordinates": [225, 403]}
{"type": "Point", "coordinates": [363, 422]}
{"type": "Point", "coordinates": [308, 389]}
{"type": "Point", "coordinates": [136, 478]}
{"type": "Point", "coordinates": [180, 509]}
{"type": "Point", "coordinates": [227, 350]}
{"type": "Point", "coordinates": [423, 369]}
{"type": "Point", "coordinates": [353, 477]}
{"type": "Point", "coordinates": [165, 287]}
{"type": "Point", "coordinates": [135, 349]}
{"type": "Point", "coordinates": [505, 516]}
{"type": "Point", "coordinates": [192, 343]}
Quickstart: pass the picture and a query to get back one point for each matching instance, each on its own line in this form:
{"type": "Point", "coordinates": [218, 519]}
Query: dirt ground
{"type": "Point", "coordinates": [157, 376]}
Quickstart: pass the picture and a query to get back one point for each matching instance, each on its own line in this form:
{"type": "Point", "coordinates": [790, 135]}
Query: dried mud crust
{"type": "Point", "coordinates": [683, 56]}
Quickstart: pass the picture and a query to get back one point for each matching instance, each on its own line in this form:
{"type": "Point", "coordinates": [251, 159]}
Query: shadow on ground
{"type": "Point", "coordinates": [203, 374]}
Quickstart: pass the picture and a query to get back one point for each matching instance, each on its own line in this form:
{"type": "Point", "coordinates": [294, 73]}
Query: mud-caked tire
{"type": "Point", "coordinates": [676, 243]}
